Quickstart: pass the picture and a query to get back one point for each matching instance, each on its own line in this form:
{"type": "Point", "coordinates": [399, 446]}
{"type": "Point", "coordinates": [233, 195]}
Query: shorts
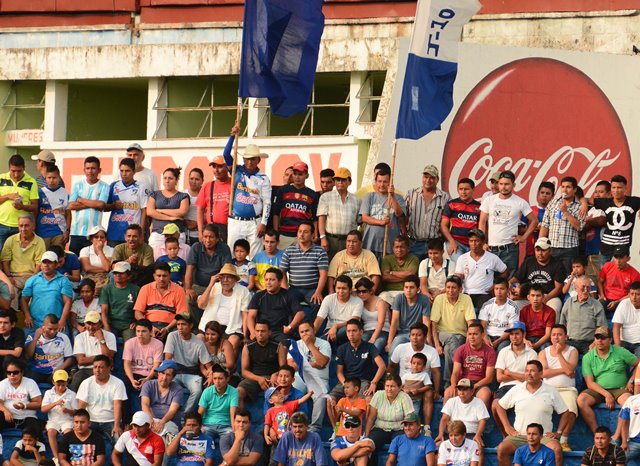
{"type": "Point", "coordinates": [519, 440]}
{"type": "Point", "coordinates": [338, 391]}
{"type": "Point", "coordinates": [569, 395]}
{"type": "Point", "coordinates": [502, 391]}
{"type": "Point", "coordinates": [59, 426]}
{"type": "Point", "coordinates": [615, 393]}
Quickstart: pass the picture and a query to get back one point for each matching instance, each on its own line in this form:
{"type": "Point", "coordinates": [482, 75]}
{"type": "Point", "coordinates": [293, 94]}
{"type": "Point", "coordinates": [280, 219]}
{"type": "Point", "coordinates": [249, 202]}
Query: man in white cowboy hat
{"type": "Point", "coordinates": [251, 197]}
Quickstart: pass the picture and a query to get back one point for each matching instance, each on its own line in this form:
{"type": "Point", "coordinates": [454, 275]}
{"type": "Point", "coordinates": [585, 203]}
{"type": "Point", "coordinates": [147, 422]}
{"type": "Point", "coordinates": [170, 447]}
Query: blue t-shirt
{"type": "Point", "coordinates": [52, 207]}
{"type": "Point", "coordinates": [293, 452]}
{"type": "Point", "coordinates": [134, 199]}
{"type": "Point", "coordinates": [412, 451]}
{"type": "Point", "coordinates": [71, 263]}
{"type": "Point", "coordinates": [196, 451]}
{"type": "Point", "coordinates": [46, 296]}
{"type": "Point", "coordinates": [340, 443]}
{"type": "Point", "coordinates": [543, 457]}
{"type": "Point", "coordinates": [49, 354]}
{"type": "Point", "coordinates": [178, 268]}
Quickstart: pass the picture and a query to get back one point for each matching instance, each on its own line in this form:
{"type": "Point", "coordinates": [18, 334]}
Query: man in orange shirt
{"type": "Point", "coordinates": [160, 301]}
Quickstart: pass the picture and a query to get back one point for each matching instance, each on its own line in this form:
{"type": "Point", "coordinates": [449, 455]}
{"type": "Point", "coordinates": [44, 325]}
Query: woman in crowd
{"type": "Point", "coordinates": [386, 411]}
{"type": "Point", "coordinates": [196, 178]}
{"type": "Point", "coordinates": [375, 314]}
{"type": "Point", "coordinates": [166, 206]}
{"type": "Point", "coordinates": [95, 260]}
{"type": "Point", "coordinates": [20, 397]}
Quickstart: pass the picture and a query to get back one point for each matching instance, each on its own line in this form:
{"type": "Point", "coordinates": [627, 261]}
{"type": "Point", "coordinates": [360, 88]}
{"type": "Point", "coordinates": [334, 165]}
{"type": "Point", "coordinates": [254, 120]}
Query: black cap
{"type": "Point", "coordinates": [354, 420]}
{"type": "Point", "coordinates": [185, 317]}
{"type": "Point", "coordinates": [621, 251]}
{"type": "Point", "coordinates": [477, 233]}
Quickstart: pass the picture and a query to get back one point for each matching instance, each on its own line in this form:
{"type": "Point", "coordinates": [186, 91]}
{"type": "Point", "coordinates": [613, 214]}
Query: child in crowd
{"type": "Point", "coordinates": [28, 451]}
{"type": "Point", "coordinates": [60, 403]}
{"type": "Point", "coordinates": [498, 314]}
{"type": "Point", "coordinates": [434, 270]}
{"type": "Point", "coordinates": [244, 267]}
{"type": "Point", "coordinates": [88, 302]}
{"type": "Point", "coordinates": [177, 264]}
{"type": "Point", "coordinates": [458, 449]}
{"type": "Point", "coordinates": [578, 269]}
{"type": "Point", "coordinates": [54, 219]}
{"type": "Point", "coordinates": [276, 421]}
{"type": "Point", "coordinates": [351, 405]}
{"type": "Point", "coordinates": [417, 383]}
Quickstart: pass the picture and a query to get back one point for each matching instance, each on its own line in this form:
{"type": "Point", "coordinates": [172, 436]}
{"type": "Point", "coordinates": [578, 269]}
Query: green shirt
{"type": "Point", "coordinates": [390, 263]}
{"type": "Point", "coordinates": [218, 407]}
{"type": "Point", "coordinates": [120, 302]}
{"type": "Point", "coordinates": [610, 372]}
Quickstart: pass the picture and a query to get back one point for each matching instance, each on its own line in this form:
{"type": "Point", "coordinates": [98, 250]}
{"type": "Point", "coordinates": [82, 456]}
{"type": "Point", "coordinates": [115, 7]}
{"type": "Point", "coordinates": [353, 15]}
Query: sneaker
{"type": "Point", "coordinates": [426, 430]}
{"type": "Point", "coordinates": [565, 446]}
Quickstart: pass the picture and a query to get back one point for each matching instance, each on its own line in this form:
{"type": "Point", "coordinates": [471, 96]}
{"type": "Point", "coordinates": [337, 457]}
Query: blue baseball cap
{"type": "Point", "coordinates": [517, 326]}
{"type": "Point", "coordinates": [167, 364]}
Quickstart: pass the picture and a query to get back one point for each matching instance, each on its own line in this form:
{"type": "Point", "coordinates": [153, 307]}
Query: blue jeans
{"type": "Point", "coordinates": [509, 256]}
{"type": "Point", "coordinates": [76, 243]}
{"type": "Point", "coordinates": [104, 429]}
{"type": "Point", "coordinates": [462, 249]}
{"type": "Point", "coordinates": [216, 431]}
{"type": "Point", "coordinates": [634, 450]}
{"type": "Point", "coordinates": [400, 338]}
{"type": "Point", "coordinates": [303, 295]}
{"type": "Point", "coordinates": [5, 232]}
{"type": "Point", "coordinates": [193, 384]}
{"type": "Point", "coordinates": [380, 342]}
{"type": "Point", "coordinates": [419, 249]}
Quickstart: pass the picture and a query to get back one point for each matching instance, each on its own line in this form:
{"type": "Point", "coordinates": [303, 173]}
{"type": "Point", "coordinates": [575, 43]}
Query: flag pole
{"type": "Point", "coordinates": [234, 165]}
{"type": "Point", "coordinates": [393, 169]}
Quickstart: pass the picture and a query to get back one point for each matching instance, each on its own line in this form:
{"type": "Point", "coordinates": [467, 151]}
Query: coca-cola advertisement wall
{"type": "Point", "coordinates": [543, 114]}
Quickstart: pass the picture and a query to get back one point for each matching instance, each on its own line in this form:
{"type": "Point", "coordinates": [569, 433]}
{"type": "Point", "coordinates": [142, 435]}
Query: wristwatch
{"type": "Point", "coordinates": [103, 342]}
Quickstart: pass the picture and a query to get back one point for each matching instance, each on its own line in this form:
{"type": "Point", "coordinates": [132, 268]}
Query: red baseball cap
{"type": "Point", "coordinates": [301, 167]}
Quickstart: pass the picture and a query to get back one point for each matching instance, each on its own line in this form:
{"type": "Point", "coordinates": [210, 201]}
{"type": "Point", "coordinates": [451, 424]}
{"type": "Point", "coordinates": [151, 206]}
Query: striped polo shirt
{"type": "Point", "coordinates": [304, 266]}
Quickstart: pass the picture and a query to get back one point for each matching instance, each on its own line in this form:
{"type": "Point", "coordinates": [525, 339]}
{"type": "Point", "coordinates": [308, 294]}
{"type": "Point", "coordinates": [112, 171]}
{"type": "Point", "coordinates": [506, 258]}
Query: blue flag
{"type": "Point", "coordinates": [280, 43]}
{"type": "Point", "coordinates": [427, 92]}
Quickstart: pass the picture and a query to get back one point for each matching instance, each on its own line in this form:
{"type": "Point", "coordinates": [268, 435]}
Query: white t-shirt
{"type": "Point", "coordinates": [436, 278]}
{"type": "Point", "coordinates": [100, 398]}
{"type": "Point", "coordinates": [478, 275]}
{"type": "Point", "coordinates": [80, 309]}
{"type": "Point", "coordinates": [471, 413]}
{"type": "Point", "coordinates": [94, 259]}
{"type": "Point", "coordinates": [449, 454]}
{"type": "Point", "coordinates": [404, 352]}
{"type": "Point", "coordinates": [504, 217]}
{"type": "Point", "coordinates": [499, 317]}
{"type": "Point", "coordinates": [90, 346]}
{"type": "Point", "coordinates": [533, 407]}
{"type": "Point", "coordinates": [629, 318]}
{"type": "Point", "coordinates": [336, 312]}
{"type": "Point", "coordinates": [23, 393]}
{"type": "Point", "coordinates": [370, 318]}
{"type": "Point", "coordinates": [56, 414]}
{"type": "Point", "coordinates": [562, 380]}
{"type": "Point", "coordinates": [226, 307]}
{"type": "Point", "coordinates": [417, 377]}
{"type": "Point", "coordinates": [323, 346]}
{"type": "Point", "coordinates": [509, 359]}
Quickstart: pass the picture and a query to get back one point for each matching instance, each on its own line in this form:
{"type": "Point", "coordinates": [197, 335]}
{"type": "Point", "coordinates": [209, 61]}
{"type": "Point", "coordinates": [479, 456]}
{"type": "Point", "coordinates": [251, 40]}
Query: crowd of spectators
{"type": "Point", "coordinates": [363, 309]}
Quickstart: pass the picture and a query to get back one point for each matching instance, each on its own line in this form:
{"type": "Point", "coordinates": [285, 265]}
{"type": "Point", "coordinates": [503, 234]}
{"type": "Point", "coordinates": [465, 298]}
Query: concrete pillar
{"type": "Point", "coordinates": [55, 111]}
{"type": "Point", "coordinates": [257, 119]}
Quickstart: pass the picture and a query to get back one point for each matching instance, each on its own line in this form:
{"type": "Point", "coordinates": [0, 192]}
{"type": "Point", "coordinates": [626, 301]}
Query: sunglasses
{"type": "Point", "coordinates": [362, 291]}
{"type": "Point", "coordinates": [351, 425]}
{"type": "Point", "coordinates": [601, 337]}
{"type": "Point", "coordinates": [13, 372]}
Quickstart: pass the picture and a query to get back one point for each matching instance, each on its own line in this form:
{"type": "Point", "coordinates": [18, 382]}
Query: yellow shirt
{"type": "Point", "coordinates": [365, 265]}
{"type": "Point", "coordinates": [22, 260]}
{"type": "Point", "coordinates": [27, 188]}
{"type": "Point", "coordinates": [452, 318]}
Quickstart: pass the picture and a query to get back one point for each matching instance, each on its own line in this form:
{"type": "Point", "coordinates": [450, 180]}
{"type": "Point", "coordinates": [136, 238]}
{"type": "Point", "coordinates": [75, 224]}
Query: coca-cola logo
{"type": "Point", "coordinates": [542, 119]}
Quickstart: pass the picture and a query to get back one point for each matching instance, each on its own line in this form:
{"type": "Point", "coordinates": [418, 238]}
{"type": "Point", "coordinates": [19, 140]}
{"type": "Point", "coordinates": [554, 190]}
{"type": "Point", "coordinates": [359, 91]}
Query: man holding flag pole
{"type": "Point", "coordinates": [280, 44]}
{"type": "Point", "coordinates": [427, 91]}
